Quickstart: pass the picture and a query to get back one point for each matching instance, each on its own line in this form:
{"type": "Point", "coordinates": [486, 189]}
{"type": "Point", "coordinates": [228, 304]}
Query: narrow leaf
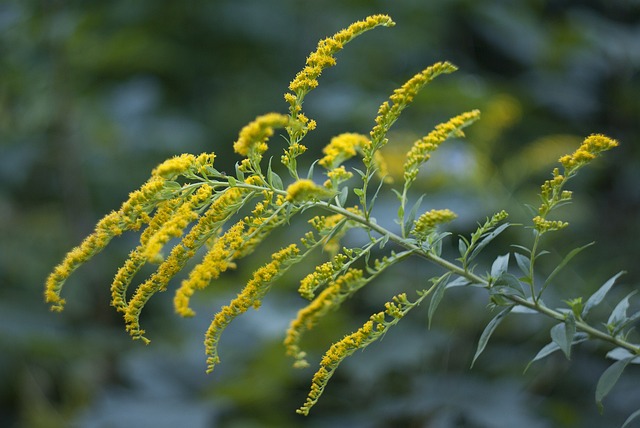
{"type": "Point", "coordinates": [523, 262]}
{"type": "Point", "coordinates": [488, 331]}
{"type": "Point", "coordinates": [487, 239]}
{"type": "Point", "coordinates": [621, 354]}
{"type": "Point", "coordinates": [459, 282]}
{"type": "Point", "coordinates": [462, 246]}
{"type": "Point", "coordinates": [342, 196]}
{"type": "Point", "coordinates": [619, 313]}
{"type": "Point", "coordinates": [552, 347]}
{"type": "Point", "coordinates": [438, 293]}
{"type": "Point", "coordinates": [564, 262]}
{"type": "Point", "coordinates": [599, 295]}
{"type": "Point", "coordinates": [500, 265]}
{"type": "Point", "coordinates": [631, 418]}
{"type": "Point", "coordinates": [608, 380]}
{"type": "Point", "coordinates": [562, 334]}
{"type": "Point", "coordinates": [408, 224]}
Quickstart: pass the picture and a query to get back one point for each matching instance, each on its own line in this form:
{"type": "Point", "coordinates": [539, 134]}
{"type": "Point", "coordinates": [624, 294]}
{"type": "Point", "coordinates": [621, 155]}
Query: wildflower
{"type": "Point", "coordinates": [589, 150]}
{"type": "Point", "coordinates": [427, 222]}
{"type": "Point", "coordinates": [322, 274]}
{"type": "Point", "coordinates": [137, 259]}
{"type": "Point", "coordinates": [305, 190]}
{"type": "Point", "coordinates": [175, 166]}
{"type": "Point", "coordinates": [225, 205]}
{"type": "Point", "coordinates": [250, 296]}
{"type": "Point", "coordinates": [214, 263]}
{"type": "Point", "coordinates": [254, 136]}
{"type": "Point", "coordinates": [421, 150]}
{"type": "Point", "coordinates": [174, 226]}
{"type": "Point", "coordinates": [131, 216]}
{"type": "Point", "coordinates": [322, 58]}
{"type": "Point", "coordinates": [401, 98]}
{"type": "Point", "coordinates": [341, 148]}
{"type": "Point", "coordinates": [542, 225]}
{"type": "Point", "coordinates": [329, 299]}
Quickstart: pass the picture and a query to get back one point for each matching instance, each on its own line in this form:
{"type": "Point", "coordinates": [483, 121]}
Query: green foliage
{"type": "Point", "coordinates": [220, 229]}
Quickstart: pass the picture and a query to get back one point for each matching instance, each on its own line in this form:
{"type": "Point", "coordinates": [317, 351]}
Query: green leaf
{"type": "Point", "coordinates": [342, 196]}
{"type": "Point", "coordinates": [608, 380]}
{"type": "Point", "coordinates": [459, 282]}
{"type": "Point", "coordinates": [631, 418]}
{"type": "Point", "coordinates": [523, 262]}
{"type": "Point", "coordinates": [500, 266]}
{"type": "Point", "coordinates": [232, 181]}
{"type": "Point", "coordinates": [462, 246]}
{"type": "Point", "coordinates": [486, 240]}
{"type": "Point", "coordinates": [552, 347]}
{"type": "Point", "coordinates": [621, 354]}
{"type": "Point", "coordinates": [488, 331]}
{"type": "Point", "coordinates": [274, 179]}
{"type": "Point", "coordinates": [358, 192]}
{"type": "Point", "coordinates": [562, 334]}
{"type": "Point", "coordinates": [408, 224]}
{"type": "Point", "coordinates": [564, 262]}
{"type": "Point", "coordinates": [438, 293]}
{"type": "Point", "coordinates": [310, 172]}
{"type": "Point", "coordinates": [619, 313]}
{"type": "Point", "coordinates": [599, 295]}
{"type": "Point", "coordinates": [507, 285]}
{"type": "Point", "coordinates": [239, 173]}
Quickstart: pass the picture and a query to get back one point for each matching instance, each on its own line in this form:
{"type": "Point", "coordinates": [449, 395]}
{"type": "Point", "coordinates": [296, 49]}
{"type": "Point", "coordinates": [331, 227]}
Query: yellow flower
{"type": "Point", "coordinates": [421, 149]}
{"type": "Point", "coordinates": [329, 299]}
{"type": "Point", "coordinates": [341, 148]}
{"type": "Point", "coordinates": [255, 135]}
{"type": "Point", "coordinates": [428, 221]}
{"type": "Point", "coordinates": [305, 190]}
{"type": "Point", "coordinates": [132, 215]}
{"type": "Point", "coordinates": [250, 296]}
{"type": "Point", "coordinates": [307, 79]}
{"type": "Point", "coordinates": [215, 262]}
{"type": "Point", "coordinates": [175, 166]}
{"type": "Point", "coordinates": [401, 97]}
{"type": "Point", "coordinates": [589, 150]}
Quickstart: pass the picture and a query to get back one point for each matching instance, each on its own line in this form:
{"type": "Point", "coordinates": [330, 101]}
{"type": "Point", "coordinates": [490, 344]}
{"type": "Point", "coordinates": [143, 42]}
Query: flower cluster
{"type": "Point", "coordinates": [250, 296]}
{"type": "Point", "coordinates": [588, 151]}
{"type": "Point", "coordinates": [400, 99]}
{"type": "Point", "coordinates": [421, 150]}
{"type": "Point", "coordinates": [253, 137]}
{"type": "Point", "coordinates": [427, 222]}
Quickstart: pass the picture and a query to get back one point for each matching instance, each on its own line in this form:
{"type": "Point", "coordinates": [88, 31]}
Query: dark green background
{"type": "Point", "coordinates": [94, 94]}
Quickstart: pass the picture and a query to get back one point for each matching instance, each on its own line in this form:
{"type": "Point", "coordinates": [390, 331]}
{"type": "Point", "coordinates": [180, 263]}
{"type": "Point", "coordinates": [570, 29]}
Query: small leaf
{"type": "Point", "coordinates": [608, 380]}
{"type": "Point", "coordinates": [358, 192]}
{"type": "Point", "coordinates": [562, 334]}
{"type": "Point", "coordinates": [621, 354]}
{"type": "Point", "coordinates": [564, 262]}
{"type": "Point", "coordinates": [488, 331]}
{"type": "Point", "coordinates": [311, 168]}
{"type": "Point", "coordinates": [507, 285]}
{"type": "Point", "coordinates": [438, 293]}
{"type": "Point", "coordinates": [459, 282]}
{"type": "Point", "coordinates": [486, 240]}
{"type": "Point", "coordinates": [552, 347]}
{"type": "Point", "coordinates": [499, 266]}
{"type": "Point", "coordinates": [462, 246]}
{"type": "Point", "coordinates": [342, 196]}
{"type": "Point", "coordinates": [275, 180]}
{"type": "Point", "coordinates": [524, 263]}
{"type": "Point", "coordinates": [408, 224]}
{"type": "Point", "coordinates": [232, 181]}
{"type": "Point", "coordinates": [239, 173]}
{"type": "Point", "coordinates": [631, 418]}
{"type": "Point", "coordinates": [619, 313]}
{"type": "Point", "coordinates": [599, 295]}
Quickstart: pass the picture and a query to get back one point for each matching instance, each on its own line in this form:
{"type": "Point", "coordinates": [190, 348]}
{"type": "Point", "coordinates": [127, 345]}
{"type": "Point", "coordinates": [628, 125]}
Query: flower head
{"type": "Point", "coordinates": [254, 136]}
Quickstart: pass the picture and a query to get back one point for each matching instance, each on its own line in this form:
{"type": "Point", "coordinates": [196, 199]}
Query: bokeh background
{"type": "Point", "coordinates": [94, 94]}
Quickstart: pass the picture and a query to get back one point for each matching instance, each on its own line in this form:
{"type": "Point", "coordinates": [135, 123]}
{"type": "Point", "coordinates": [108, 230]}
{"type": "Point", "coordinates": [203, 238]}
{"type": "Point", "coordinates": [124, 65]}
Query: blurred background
{"type": "Point", "coordinates": [93, 95]}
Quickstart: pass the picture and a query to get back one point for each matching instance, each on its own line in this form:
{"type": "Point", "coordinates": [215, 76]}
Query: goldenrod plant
{"type": "Point", "coordinates": [218, 218]}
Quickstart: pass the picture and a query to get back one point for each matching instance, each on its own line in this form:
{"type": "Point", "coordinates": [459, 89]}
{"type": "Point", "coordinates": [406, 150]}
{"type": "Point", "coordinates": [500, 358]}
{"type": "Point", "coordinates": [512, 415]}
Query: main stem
{"type": "Point", "coordinates": [533, 304]}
